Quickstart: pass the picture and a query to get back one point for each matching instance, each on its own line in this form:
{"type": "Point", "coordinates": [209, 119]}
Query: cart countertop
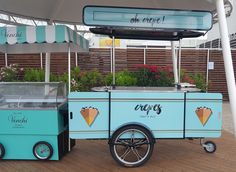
{"type": "Point", "coordinates": [144, 89]}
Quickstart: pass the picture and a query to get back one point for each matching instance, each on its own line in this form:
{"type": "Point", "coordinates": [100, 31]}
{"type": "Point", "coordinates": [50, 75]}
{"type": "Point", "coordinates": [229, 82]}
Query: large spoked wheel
{"type": "Point", "coordinates": [2, 151]}
{"type": "Point", "coordinates": [131, 146]}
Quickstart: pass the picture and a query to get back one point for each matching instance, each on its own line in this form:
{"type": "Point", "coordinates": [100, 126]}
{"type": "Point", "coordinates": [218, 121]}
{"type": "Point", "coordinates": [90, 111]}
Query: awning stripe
{"type": "Point", "coordinates": [22, 31]}
{"type": "Point", "coordinates": [41, 34]}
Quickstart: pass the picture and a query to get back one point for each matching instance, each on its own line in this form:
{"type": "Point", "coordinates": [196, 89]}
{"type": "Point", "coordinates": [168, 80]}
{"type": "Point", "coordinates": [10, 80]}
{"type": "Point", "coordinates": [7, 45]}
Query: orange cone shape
{"type": "Point", "coordinates": [203, 114]}
{"type": "Point", "coordinates": [89, 114]}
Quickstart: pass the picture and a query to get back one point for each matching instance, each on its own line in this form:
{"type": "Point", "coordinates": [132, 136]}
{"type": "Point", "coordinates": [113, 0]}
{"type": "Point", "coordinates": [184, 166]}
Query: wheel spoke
{"type": "Point", "coordinates": [142, 142]}
{"type": "Point", "coordinates": [121, 142]}
{"type": "Point", "coordinates": [135, 151]}
{"type": "Point", "coordinates": [127, 151]}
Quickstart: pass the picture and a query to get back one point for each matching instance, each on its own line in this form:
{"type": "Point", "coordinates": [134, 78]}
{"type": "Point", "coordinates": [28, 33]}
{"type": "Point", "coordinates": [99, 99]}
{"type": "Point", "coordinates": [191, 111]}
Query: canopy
{"type": "Point", "coordinates": [29, 39]}
{"type": "Point", "coordinates": [70, 11]}
{"type": "Point", "coordinates": [39, 39]}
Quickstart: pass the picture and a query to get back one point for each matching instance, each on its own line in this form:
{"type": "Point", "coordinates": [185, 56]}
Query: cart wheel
{"type": "Point", "coordinates": [209, 147]}
{"type": "Point", "coordinates": [43, 150]}
{"type": "Point", "coordinates": [131, 146]}
{"type": "Point", "coordinates": [2, 151]}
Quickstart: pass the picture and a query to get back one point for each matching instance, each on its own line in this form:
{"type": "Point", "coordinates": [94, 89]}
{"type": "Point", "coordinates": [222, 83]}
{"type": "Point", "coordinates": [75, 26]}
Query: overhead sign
{"type": "Point", "coordinates": [147, 18]}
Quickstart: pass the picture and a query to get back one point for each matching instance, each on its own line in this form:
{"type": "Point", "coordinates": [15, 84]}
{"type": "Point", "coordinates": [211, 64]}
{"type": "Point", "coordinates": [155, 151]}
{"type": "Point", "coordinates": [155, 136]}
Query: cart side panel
{"type": "Point", "coordinates": [203, 114]}
{"type": "Point", "coordinates": [31, 121]}
{"type": "Point", "coordinates": [162, 113]}
{"type": "Point", "coordinates": [20, 147]}
{"type": "Point", "coordinates": [88, 115]}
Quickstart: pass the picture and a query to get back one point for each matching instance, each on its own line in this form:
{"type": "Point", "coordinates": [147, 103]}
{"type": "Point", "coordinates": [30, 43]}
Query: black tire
{"type": "Point", "coordinates": [2, 151]}
{"type": "Point", "coordinates": [135, 149]}
{"type": "Point", "coordinates": [210, 147]}
{"type": "Point", "coordinates": [49, 148]}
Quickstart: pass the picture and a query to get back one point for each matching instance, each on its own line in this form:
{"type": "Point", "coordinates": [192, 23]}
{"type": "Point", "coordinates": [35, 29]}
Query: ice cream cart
{"type": "Point", "coordinates": [33, 121]}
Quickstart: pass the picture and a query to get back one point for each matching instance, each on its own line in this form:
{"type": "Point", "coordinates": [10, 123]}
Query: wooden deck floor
{"type": "Point", "coordinates": [168, 156]}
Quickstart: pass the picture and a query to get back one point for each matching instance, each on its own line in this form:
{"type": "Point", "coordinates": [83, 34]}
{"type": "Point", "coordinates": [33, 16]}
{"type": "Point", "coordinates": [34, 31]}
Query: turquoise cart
{"type": "Point", "coordinates": [132, 118]}
{"type": "Point", "coordinates": [33, 121]}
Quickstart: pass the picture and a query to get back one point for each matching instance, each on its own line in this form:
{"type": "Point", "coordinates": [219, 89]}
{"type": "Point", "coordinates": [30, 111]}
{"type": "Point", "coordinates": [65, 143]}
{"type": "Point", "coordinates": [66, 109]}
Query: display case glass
{"type": "Point", "coordinates": [28, 95]}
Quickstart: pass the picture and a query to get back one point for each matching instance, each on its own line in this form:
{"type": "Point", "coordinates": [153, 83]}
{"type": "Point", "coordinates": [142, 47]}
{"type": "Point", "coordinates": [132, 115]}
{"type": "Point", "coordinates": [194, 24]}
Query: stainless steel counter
{"type": "Point", "coordinates": [144, 89]}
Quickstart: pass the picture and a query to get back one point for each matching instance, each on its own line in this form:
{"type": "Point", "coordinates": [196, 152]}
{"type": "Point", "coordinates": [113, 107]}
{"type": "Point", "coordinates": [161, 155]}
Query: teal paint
{"type": "Point", "coordinates": [60, 33]}
{"type": "Point", "coordinates": [161, 112]}
{"type": "Point", "coordinates": [21, 34]}
{"type": "Point", "coordinates": [3, 35]}
{"type": "Point", "coordinates": [40, 34]}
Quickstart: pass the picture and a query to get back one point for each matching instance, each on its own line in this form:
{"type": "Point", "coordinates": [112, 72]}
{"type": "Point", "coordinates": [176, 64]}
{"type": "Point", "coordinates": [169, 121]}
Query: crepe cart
{"type": "Point", "coordinates": [132, 118]}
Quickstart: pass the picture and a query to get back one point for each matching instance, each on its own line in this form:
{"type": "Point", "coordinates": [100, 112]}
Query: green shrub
{"type": "Point", "coordinates": [154, 76]}
{"type": "Point", "coordinates": [200, 81]}
{"type": "Point", "coordinates": [89, 79]}
{"type": "Point", "coordinates": [34, 75]}
{"type": "Point", "coordinates": [10, 73]}
{"type": "Point", "coordinates": [123, 78]}
{"type": "Point", "coordinates": [197, 78]}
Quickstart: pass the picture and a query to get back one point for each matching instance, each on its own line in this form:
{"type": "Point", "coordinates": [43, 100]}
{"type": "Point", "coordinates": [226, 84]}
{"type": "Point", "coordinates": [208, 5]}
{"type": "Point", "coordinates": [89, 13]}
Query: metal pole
{"type": "Point", "coordinates": [76, 59]}
{"type": "Point", "coordinates": [144, 56]}
{"type": "Point", "coordinates": [207, 71]}
{"type": "Point", "coordinates": [47, 67]}
{"type": "Point", "coordinates": [6, 62]}
{"type": "Point", "coordinates": [111, 53]}
{"type": "Point", "coordinates": [113, 63]}
{"type": "Point", "coordinates": [229, 70]}
{"type": "Point", "coordinates": [41, 60]}
{"type": "Point", "coordinates": [180, 42]}
{"type": "Point", "coordinates": [174, 61]}
{"type": "Point", "coordinates": [69, 72]}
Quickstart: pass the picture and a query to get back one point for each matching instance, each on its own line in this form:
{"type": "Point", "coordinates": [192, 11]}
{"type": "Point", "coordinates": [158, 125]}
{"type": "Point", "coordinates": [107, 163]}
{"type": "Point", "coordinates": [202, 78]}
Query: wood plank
{"type": "Point", "coordinates": [169, 155]}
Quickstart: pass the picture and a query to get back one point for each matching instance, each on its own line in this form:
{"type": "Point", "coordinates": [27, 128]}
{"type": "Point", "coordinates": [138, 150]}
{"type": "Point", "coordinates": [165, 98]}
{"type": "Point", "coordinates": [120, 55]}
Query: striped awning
{"type": "Point", "coordinates": [41, 34]}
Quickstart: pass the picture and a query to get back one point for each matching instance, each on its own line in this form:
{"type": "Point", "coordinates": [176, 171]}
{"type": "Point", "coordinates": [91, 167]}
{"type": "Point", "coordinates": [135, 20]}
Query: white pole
{"type": "Point", "coordinates": [207, 74]}
{"type": "Point", "coordinates": [41, 60]}
{"type": "Point", "coordinates": [76, 59]}
{"type": "Point", "coordinates": [179, 79]}
{"type": "Point", "coordinates": [229, 70]}
{"type": "Point", "coordinates": [47, 67]}
{"type": "Point", "coordinates": [174, 61]}
{"type": "Point", "coordinates": [6, 62]}
{"type": "Point", "coordinates": [69, 72]}
{"type": "Point", "coordinates": [113, 62]}
{"type": "Point", "coordinates": [144, 56]}
{"type": "Point", "coordinates": [111, 53]}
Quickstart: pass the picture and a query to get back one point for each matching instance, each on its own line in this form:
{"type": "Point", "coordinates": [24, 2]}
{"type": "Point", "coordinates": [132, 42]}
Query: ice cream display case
{"type": "Point", "coordinates": [33, 121]}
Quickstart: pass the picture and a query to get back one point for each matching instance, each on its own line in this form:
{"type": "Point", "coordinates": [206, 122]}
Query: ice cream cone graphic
{"type": "Point", "coordinates": [89, 114]}
{"type": "Point", "coordinates": [203, 114]}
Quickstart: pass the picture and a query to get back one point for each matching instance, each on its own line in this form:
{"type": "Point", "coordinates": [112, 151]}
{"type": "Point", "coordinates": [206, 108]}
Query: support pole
{"type": "Point", "coordinates": [76, 59]}
{"type": "Point", "coordinates": [144, 56]}
{"type": "Point", "coordinates": [207, 70]}
{"type": "Point", "coordinates": [69, 72]}
{"type": "Point", "coordinates": [41, 60]}
{"type": "Point", "coordinates": [174, 61]}
{"type": "Point", "coordinates": [229, 70]}
{"type": "Point", "coordinates": [111, 53]}
{"type": "Point", "coordinates": [6, 62]}
{"type": "Point", "coordinates": [113, 63]}
{"type": "Point", "coordinates": [179, 74]}
{"type": "Point", "coordinates": [47, 67]}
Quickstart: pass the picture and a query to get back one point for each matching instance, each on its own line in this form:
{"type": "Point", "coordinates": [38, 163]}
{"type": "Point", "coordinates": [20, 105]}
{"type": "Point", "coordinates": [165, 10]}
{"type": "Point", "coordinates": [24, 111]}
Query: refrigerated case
{"type": "Point", "coordinates": [33, 121]}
